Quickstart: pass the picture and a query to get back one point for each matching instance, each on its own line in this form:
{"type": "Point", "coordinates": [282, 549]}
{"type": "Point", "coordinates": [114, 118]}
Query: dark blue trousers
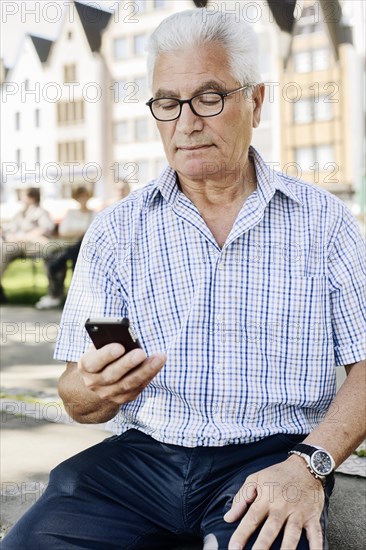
{"type": "Point", "coordinates": [133, 492]}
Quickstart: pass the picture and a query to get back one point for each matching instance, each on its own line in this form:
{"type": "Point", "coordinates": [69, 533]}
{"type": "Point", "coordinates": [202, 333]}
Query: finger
{"type": "Point", "coordinates": [248, 525]}
{"type": "Point", "coordinates": [141, 376]}
{"type": "Point", "coordinates": [270, 531]}
{"type": "Point", "coordinates": [94, 360]}
{"type": "Point", "coordinates": [243, 498]}
{"type": "Point", "coordinates": [314, 534]}
{"type": "Point", "coordinates": [125, 378]}
{"type": "Point", "coordinates": [291, 535]}
{"type": "Point", "coordinates": [132, 384]}
{"type": "Point", "coordinates": [114, 372]}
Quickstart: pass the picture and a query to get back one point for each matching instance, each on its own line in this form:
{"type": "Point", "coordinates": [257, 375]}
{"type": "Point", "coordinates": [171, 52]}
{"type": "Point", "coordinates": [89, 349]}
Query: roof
{"type": "Point", "coordinates": [94, 21]}
{"type": "Point", "coordinates": [42, 46]}
{"type": "Point", "coordinates": [331, 14]}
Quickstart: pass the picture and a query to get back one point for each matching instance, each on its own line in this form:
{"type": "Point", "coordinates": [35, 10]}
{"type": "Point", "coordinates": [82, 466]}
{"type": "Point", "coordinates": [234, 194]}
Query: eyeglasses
{"type": "Point", "coordinates": [205, 104]}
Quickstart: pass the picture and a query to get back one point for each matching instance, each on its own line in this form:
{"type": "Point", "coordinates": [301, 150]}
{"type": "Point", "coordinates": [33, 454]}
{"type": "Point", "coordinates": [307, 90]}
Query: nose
{"type": "Point", "coordinates": [188, 122]}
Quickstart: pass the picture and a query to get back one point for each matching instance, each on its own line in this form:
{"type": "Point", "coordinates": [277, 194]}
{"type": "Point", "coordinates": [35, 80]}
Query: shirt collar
{"type": "Point", "coordinates": [268, 182]}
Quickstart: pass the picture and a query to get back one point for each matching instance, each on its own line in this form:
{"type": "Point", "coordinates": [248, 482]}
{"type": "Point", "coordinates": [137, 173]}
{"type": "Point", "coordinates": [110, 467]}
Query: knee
{"type": "Point", "coordinates": [64, 478]}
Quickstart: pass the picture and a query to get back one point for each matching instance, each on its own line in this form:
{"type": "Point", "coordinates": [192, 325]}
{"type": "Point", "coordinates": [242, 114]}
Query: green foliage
{"type": "Point", "coordinates": [360, 452]}
{"type": "Point", "coordinates": [25, 281]}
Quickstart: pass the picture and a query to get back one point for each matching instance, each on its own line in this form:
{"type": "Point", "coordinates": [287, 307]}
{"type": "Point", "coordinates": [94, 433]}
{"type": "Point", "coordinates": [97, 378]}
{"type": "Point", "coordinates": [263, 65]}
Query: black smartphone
{"type": "Point", "coordinates": [107, 330]}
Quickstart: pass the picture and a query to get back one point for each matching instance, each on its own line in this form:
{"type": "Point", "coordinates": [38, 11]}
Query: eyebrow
{"type": "Point", "coordinates": [208, 85]}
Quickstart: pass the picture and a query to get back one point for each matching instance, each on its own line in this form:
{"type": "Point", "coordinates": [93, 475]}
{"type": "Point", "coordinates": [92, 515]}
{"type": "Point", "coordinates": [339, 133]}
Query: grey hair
{"type": "Point", "coordinates": [193, 28]}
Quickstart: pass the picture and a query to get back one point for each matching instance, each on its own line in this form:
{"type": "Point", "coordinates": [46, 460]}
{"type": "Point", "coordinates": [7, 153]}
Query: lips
{"type": "Point", "coordinates": [193, 147]}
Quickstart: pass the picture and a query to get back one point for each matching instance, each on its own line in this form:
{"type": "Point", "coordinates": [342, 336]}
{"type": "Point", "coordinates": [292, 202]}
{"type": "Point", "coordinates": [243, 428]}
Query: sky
{"type": "Point", "coordinates": [42, 17]}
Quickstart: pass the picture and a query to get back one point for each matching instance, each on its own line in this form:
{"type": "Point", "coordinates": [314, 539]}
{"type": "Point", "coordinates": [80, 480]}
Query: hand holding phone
{"type": "Point", "coordinates": [116, 378]}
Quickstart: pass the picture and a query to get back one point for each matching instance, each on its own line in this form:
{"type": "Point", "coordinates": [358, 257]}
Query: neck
{"type": "Point", "coordinates": [227, 189]}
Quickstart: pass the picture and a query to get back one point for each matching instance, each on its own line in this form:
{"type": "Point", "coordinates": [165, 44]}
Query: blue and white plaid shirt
{"type": "Point", "coordinates": [252, 331]}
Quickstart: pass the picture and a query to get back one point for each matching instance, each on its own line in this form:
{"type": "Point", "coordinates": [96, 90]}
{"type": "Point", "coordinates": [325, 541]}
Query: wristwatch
{"type": "Point", "coordinates": [319, 462]}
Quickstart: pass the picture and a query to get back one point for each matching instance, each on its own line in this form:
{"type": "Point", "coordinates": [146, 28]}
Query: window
{"type": "Point", "coordinates": [70, 151]}
{"type": "Point", "coordinates": [323, 109]}
{"type": "Point", "coordinates": [324, 154]}
{"type": "Point", "coordinates": [302, 62]}
{"type": "Point", "coordinates": [121, 132]}
{"type": "Point", "coordinates": [307, 110]}
{"type": "Point", "coordinates": [38, 154]}
{"type": "Point", "coordinates": [142, 90]}
{"type": "Point", "coordinates": [312, 60]}
{"type": "Point", "coordinates": [141, 129]}
{"type": "Point", "coordinates": [304, 156]}
{"type": "Point", "coordinates": [139, 41]}
{"type": "Point", "coordinates": [136, 173]}
{"type": "Point", "coordinates": [303, 111]}
{"type": "Point", "coordinates": [308, 28]}
{"type": "Point", "coordinates": [143, 171]}
{"type": "Point", "coordinates": [141, 5]}
{"type": "Point", "coordinates": [120, 90]}
{"type": "Point", "coordinates": [70, 112]}
{"type": "Point", "coordinates": [309, 21]}
{"type": "Point", "coordinates": [78, 110]}
{"type": "Point", "coordinates": [320, 59]}
{"type": "Point", "coordinates": [307, 156]}
{"type": "Point", "coordinates": [70, 73]}
{"type": "Point", "coordinates": [120, 48]}
{"type": "Point", "coordinates": [37, 118]}
{"type": "Point", "coordinates": [17, 121]}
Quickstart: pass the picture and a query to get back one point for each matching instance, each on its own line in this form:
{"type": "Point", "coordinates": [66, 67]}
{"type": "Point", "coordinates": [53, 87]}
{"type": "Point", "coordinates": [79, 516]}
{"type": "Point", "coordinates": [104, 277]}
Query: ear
{"type": "Point", "coordinates": [257, 98]}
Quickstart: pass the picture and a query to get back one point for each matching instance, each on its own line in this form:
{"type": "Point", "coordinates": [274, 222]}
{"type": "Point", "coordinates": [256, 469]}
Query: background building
{"type": "Point", "coordinates": [55, 113]}
{"type": "Point", "coordinates": [81, 112]}
{"type": "Point", "coordinates": [321, 84]}
{"type": "Point", "coordinates": [89, 123]}
{"type": "Point", "coordinates": [27, 125]}
{"type": "Point", "coordinates": [136, 153]}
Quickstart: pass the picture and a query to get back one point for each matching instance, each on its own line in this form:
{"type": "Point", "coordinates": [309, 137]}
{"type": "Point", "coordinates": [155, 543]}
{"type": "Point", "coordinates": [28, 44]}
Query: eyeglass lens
{"type": "Point", "coordinates": [207, 104]}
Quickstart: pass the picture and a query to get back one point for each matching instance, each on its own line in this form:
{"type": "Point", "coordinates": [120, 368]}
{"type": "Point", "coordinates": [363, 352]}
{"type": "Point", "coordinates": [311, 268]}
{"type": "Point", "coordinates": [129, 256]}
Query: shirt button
{"type": "Point", "coordinates": [218, 367]}
{"type": "Point", "coordinates": [221, 266]}
{"type": "Point", "coordinates": [219, 317]}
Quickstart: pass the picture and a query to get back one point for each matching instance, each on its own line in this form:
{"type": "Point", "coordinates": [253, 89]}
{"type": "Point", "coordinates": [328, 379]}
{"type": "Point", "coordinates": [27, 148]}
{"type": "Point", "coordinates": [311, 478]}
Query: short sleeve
{"type": "Point", "coordinates": [95, 291]}
{"type": "Point", "coordinates": [347, 279]}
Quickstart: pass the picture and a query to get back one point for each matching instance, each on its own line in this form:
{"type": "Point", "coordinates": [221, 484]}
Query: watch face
{"type": "Point", "coordinates": [321, 463]}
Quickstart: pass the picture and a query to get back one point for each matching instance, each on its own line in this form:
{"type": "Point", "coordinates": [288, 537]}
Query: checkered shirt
{"type": "Point", "coordinates": [253, 331]}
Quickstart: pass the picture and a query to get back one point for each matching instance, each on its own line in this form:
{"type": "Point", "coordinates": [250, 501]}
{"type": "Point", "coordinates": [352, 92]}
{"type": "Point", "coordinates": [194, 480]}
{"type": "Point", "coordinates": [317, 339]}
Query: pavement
{"type": "Point", "coordinates": [37, 434]}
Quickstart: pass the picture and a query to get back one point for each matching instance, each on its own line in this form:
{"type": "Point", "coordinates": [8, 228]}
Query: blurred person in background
{"type": "Point", "coordinates": [27, 234]}
{"type": "Point", "coordinates": [72, 228]}
{"type": "Point", "coordinates": [121, 190]}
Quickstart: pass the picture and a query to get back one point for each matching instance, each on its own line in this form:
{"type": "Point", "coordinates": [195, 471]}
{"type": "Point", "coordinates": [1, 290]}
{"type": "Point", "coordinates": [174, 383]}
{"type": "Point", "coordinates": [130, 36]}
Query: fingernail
{"type": "Point", "coordinates": [156, 362]}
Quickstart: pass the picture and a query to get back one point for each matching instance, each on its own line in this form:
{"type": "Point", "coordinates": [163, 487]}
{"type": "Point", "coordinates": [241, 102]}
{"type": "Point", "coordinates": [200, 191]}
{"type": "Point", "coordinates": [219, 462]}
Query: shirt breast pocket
{"type": "Point", "coordinates": [295, 318]}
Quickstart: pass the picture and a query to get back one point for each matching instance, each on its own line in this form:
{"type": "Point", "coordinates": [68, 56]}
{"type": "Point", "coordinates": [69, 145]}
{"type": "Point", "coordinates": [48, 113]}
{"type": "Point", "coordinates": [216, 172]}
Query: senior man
{"type": "Point", "coordinates": [245, 289]}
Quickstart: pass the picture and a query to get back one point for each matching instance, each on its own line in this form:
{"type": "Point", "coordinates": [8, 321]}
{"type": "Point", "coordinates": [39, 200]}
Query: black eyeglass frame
{"type": "Point", "coordinates": [181, 102]}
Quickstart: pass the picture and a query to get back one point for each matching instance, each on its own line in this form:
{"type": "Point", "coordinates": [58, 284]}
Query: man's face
{"type": "Point", "coordinates": [200, 148]}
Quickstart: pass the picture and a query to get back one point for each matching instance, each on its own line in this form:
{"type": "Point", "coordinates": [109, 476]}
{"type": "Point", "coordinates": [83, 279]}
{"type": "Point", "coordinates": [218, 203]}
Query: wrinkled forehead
{"type": "Point", "coordinates": [195, 70]}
